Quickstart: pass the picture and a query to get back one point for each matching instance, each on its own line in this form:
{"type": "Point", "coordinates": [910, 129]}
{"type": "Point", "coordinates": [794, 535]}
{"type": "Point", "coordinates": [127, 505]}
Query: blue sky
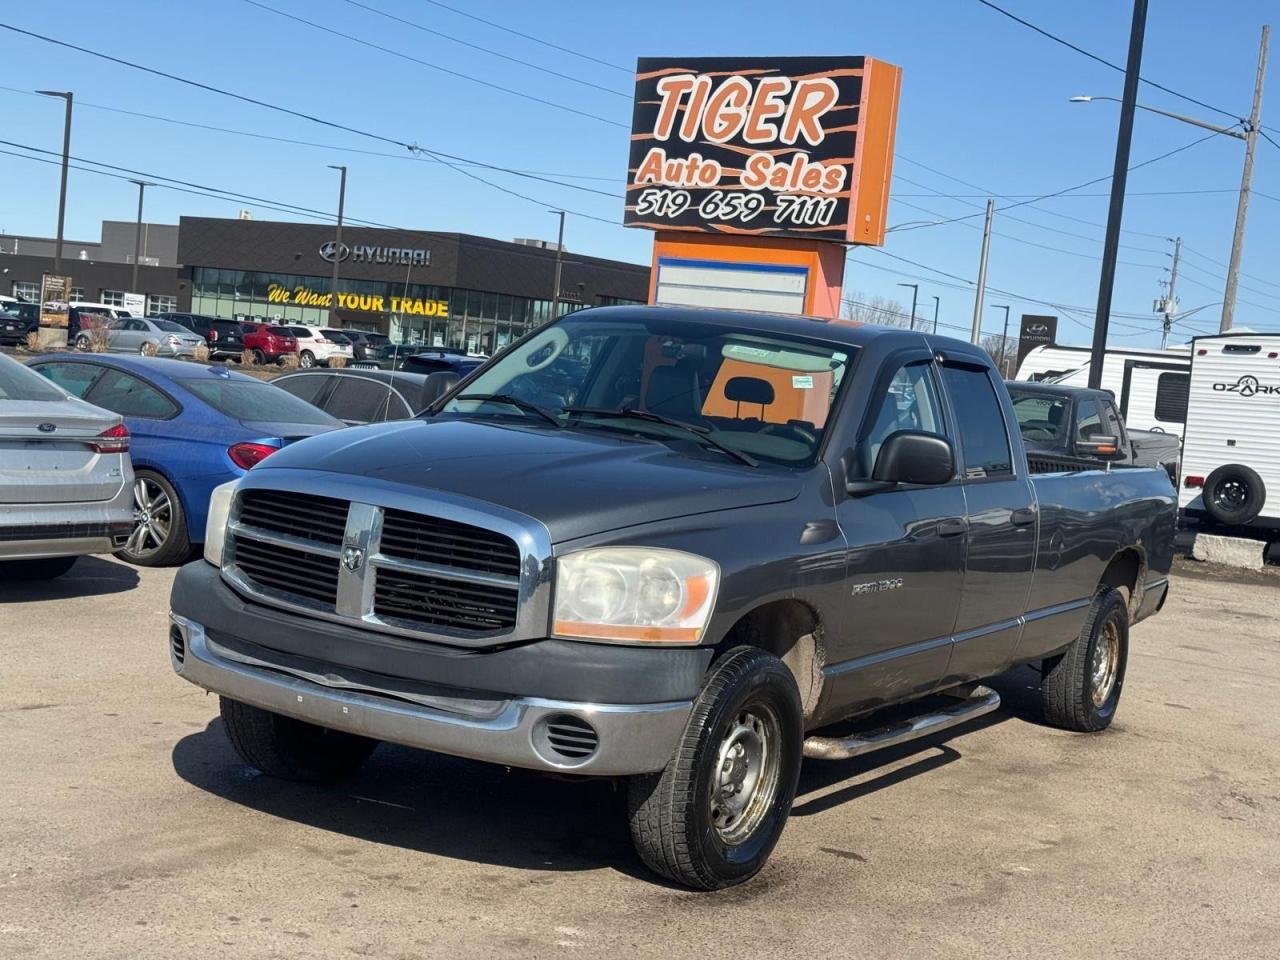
{"type": "Point", "coordinates": [984, 101]}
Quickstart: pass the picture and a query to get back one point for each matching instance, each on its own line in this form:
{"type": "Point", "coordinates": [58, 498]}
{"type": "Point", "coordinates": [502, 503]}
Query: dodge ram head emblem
{"type": "Point", "coordinates": [352, 558]}
{"type": "Point", "coordinates": [47, 427]}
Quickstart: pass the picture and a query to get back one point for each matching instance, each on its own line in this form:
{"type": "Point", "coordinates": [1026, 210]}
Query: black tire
{"type": "Point", "coordinates": [45, 568]}
{"type": "Point", "coordinates": [259, 357]}
{"type": "Point", "coordinates": [306, 359]}
{"type": "Point", "coordinates": [292, 749]}
{"type": "Point", "coordinates": [168, 542]}
{"type": "Point", "coordinates": [673, 814]}
{"type": "Point", "coordinates": [1072, 695]}
{"type": "Point", "coordinates": [1234, 494]}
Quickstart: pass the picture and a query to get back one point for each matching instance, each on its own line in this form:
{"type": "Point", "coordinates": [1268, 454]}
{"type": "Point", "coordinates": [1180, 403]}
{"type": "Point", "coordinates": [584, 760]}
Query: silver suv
{"type": "Point", "coordinates": [66, 484]}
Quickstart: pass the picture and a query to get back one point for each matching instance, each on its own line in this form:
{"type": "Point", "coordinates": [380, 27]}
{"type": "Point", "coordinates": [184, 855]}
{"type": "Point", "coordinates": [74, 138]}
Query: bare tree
{"type": "Point", "coordinates": [864, 308]}
{"type": "Point", "coordinates": [1003, 352]}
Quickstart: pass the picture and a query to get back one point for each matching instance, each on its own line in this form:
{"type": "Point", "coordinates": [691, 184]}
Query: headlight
{"type": "Point", "coordinates": [634, 595]}
{"type": "Point", "coordinates": [215, 528]}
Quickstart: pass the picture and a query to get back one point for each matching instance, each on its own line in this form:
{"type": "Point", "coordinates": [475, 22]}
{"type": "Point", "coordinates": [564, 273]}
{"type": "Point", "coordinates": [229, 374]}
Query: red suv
{"type": "Point", "coordinates": [268, 342]}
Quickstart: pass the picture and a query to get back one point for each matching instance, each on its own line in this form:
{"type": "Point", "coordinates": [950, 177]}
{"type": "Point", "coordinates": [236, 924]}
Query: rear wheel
{"type": "Point", "coordinates": [711, 818]}
{"type": "Point", "coordinates": [306, 359]}
{"type": "Point", "coordinates": [259, 357]}
{"type": "Point", "coordinates": [1234, 494]}
{"type": "Point", "coordinates": [1081, 687]}
{"type": "Point", "coordinates": [159, 537]}
{"type": "Point", "coordinates": [45, 568]}
{"type": "Point", "coordinates": [292, 749]}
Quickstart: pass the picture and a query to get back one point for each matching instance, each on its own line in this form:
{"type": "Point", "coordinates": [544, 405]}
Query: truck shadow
{"type": "Point", "coordinates": [90, 577]}
{"type": "Point", "coordinates": [481, 813]}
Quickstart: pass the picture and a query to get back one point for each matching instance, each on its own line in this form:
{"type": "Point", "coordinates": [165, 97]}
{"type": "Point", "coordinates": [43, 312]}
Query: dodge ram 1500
{"type": "Point", "coordinates": [670, 546]}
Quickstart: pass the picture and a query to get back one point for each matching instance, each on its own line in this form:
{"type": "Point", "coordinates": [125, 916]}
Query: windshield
{"type": "Point", "coordinates": [20, 383]}
{"type": "Point", "coordinates": [169, 326]}
{"type": "Point", "coordinates": [766, 396]}
{"type": "Point", "coordinates": [255, 401]}
{"type": "Point", "coordinates": [1040, 417]}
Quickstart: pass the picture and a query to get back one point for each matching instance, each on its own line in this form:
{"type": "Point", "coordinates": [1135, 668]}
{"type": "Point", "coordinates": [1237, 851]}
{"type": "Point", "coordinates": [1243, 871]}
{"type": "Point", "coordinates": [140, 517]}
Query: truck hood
{"type": "Point", "coordinates": [577, 482]}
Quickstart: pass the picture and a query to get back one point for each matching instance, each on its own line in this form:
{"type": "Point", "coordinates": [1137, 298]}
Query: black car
{"type": "Point", "coordinates": [17, 321]}
{"type": "Point", "coordinates": [367, 396]}
{"type": "Point", "coordinates": [363, 343]}
{"type": "Point", "coordinates": [225, 338]}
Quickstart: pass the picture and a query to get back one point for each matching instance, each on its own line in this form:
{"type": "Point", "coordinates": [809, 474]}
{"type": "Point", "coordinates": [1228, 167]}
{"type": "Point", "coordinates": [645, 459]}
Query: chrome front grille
{"type": "Point", "coordinates": [388, 568]}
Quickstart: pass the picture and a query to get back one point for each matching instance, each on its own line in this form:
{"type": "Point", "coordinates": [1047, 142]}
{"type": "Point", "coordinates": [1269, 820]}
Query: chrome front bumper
{"type": "Point", "coordinates": [518, 732]}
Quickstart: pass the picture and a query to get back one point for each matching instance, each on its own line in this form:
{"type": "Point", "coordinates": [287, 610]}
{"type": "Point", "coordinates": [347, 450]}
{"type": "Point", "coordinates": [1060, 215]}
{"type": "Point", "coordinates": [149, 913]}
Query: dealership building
{"type": "Point", "coordinates": [421, 287]}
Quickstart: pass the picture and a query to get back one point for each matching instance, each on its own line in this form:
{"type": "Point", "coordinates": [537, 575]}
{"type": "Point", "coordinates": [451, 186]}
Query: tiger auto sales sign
{"type": "Point", "coordinates": [792, 146]}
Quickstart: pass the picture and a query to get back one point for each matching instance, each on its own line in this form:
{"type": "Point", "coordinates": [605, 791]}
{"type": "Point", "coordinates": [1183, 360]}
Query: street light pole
{"type": "Point", "coordinates": [137, 236]}
{"type": "Point", "coordinates": [937, 302]}
{"type": "Point", "coordinates": [1119, 177]}
{"type": "Point", "coordinates": [555, 294]}
{"type": "Point", "coordinates": [337, 246]}
{"type": "Point", "coordinates": [915, 295]}
{"type": "Point", "coordinates": [1246, 183]}
{"type": "Point", "coordinates": [62, 190]}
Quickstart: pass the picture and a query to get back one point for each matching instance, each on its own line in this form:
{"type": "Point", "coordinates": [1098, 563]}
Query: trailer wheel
{"type": "Point", "coordinates": [712, 817]}
{"type": "Point", "coordinates": [1234, 494]}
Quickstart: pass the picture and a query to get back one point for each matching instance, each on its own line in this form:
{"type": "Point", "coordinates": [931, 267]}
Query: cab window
{"type": "Point", "coordinates": [910, 402]}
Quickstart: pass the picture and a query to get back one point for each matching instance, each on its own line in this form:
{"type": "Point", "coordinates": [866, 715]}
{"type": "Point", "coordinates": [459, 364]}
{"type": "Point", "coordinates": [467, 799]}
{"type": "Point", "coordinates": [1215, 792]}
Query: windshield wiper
{"type": "Point", "coordinates": [702, 434]}
{"type": "Point", "coordinates": [514, 401]}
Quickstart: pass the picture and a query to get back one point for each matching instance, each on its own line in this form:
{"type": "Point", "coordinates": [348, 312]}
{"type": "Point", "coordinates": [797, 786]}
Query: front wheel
{"type": "Point", "coordinates": [1081, 687]}
{"type": "Point", "coordinates": [711, 818]}
{"type": "Point", "coordinates": [292, 749]}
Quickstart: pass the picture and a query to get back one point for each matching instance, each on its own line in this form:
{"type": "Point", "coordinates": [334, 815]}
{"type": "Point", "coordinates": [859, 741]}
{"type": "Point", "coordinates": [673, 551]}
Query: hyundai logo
{"type": "Point", "coordinates": [334, 250]}
{"type": "Point", "coordinates": [47, 427]}
{"type": "Point", "coordinates": [353, 558]}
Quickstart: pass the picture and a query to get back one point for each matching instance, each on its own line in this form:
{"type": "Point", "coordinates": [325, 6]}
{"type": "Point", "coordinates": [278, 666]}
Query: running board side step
{"type": "Point", "coordinates": [978, 701]}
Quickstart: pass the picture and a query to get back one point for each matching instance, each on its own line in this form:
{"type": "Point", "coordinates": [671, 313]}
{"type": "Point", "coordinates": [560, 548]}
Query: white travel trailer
{"type": "Point", "coordinates": [1231, 449]}
{"type": "Point", "coordinates": [1150, 386]}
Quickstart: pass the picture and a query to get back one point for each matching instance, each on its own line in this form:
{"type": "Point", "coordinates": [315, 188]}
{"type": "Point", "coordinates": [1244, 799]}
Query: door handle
{"type": "Point", "coordinates": [1023, 516]}
{"type": "Point", "coordinates": [952, 527]}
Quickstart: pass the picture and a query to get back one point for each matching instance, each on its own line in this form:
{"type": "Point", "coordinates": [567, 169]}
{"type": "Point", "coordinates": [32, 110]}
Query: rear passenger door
{"type": "Point", "coordinates": [1002, 523]}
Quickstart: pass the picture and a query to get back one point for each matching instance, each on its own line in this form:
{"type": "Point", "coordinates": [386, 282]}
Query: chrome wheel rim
{"type": "Point", "coordinates": [1104, 666]}
{"type": "Point", "coordinates": [745, 779]}
{"type": "Point", "coordinates": [152, 518]}
{"type": "Point", "coordinates": [306, 361]}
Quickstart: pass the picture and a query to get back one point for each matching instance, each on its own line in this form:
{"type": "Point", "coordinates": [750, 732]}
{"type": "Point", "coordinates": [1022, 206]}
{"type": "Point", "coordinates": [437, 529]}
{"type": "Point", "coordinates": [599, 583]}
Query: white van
{"type": "Point", "coordinates": [1231, 449]}
{"type": "Point", "coordinates": [115, 313]}
{"type": "Point", "coordinates": [1150, 386]}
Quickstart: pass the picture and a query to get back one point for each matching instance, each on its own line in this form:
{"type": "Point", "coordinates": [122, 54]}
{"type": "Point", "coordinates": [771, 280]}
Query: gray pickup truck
{"type": "Point", "coordinates": [675, 547]}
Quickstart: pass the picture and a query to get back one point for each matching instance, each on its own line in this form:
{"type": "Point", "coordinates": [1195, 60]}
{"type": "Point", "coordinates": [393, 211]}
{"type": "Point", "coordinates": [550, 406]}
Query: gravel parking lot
{"type": "Point", "coordinates": [130, 829]}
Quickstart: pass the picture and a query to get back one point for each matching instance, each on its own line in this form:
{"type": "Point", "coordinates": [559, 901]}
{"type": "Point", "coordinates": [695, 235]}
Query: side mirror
{"type": "Point", "coordinates": [1104, 448]}
{"type": "Point", "coordinates": [911, 457]}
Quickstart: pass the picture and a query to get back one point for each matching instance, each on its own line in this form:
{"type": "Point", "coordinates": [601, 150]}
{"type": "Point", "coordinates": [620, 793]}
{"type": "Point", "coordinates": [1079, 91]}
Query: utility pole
{"type": "Point", "coordinates": [976, 336]}
{"type": "Point", "coordinates": [555, 295]}
{"type": "Point", "coordinates": [1119, 178]}
{"type": "Point", "coordinates": [1246, 182]}
{"type": "Point", "coordinates": [137, 236]}
{"type": "Point", "coordinates": [337, 246]}
{"type": "Point", "coordinates": [937, 302]}
{"type": "Point", "coordinates": [1171, 300]}
{"type": "Point", "coordinates": [62, 191]}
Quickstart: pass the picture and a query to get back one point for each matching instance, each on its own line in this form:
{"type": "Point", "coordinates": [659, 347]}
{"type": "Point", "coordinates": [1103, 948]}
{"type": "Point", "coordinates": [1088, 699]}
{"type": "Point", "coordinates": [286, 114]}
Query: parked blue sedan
{"type": "Point", "coordinates": [193, 427]}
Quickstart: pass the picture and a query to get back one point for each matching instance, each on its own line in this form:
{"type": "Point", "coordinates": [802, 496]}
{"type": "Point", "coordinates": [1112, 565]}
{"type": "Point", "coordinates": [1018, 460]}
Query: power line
{"type": "Point", "coordinates": [1106, 63]}
{"type": "Point", "coordinates": [1088, 183]}
{"type": "Point", "coordinates": [495, 53]}
{"type": "Point", "coordinates": [528, 36]}
{"type": "Point", "coordinates": [1222, 263]}
{"type": "Point", "coordinates": [544, 175]}
{"type": "Point", "coordinates": [435, 66]}
{"type": "Point", "coordinates": [412, 147]}
{"type": "Point", "coordinates": [1266, 136]}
